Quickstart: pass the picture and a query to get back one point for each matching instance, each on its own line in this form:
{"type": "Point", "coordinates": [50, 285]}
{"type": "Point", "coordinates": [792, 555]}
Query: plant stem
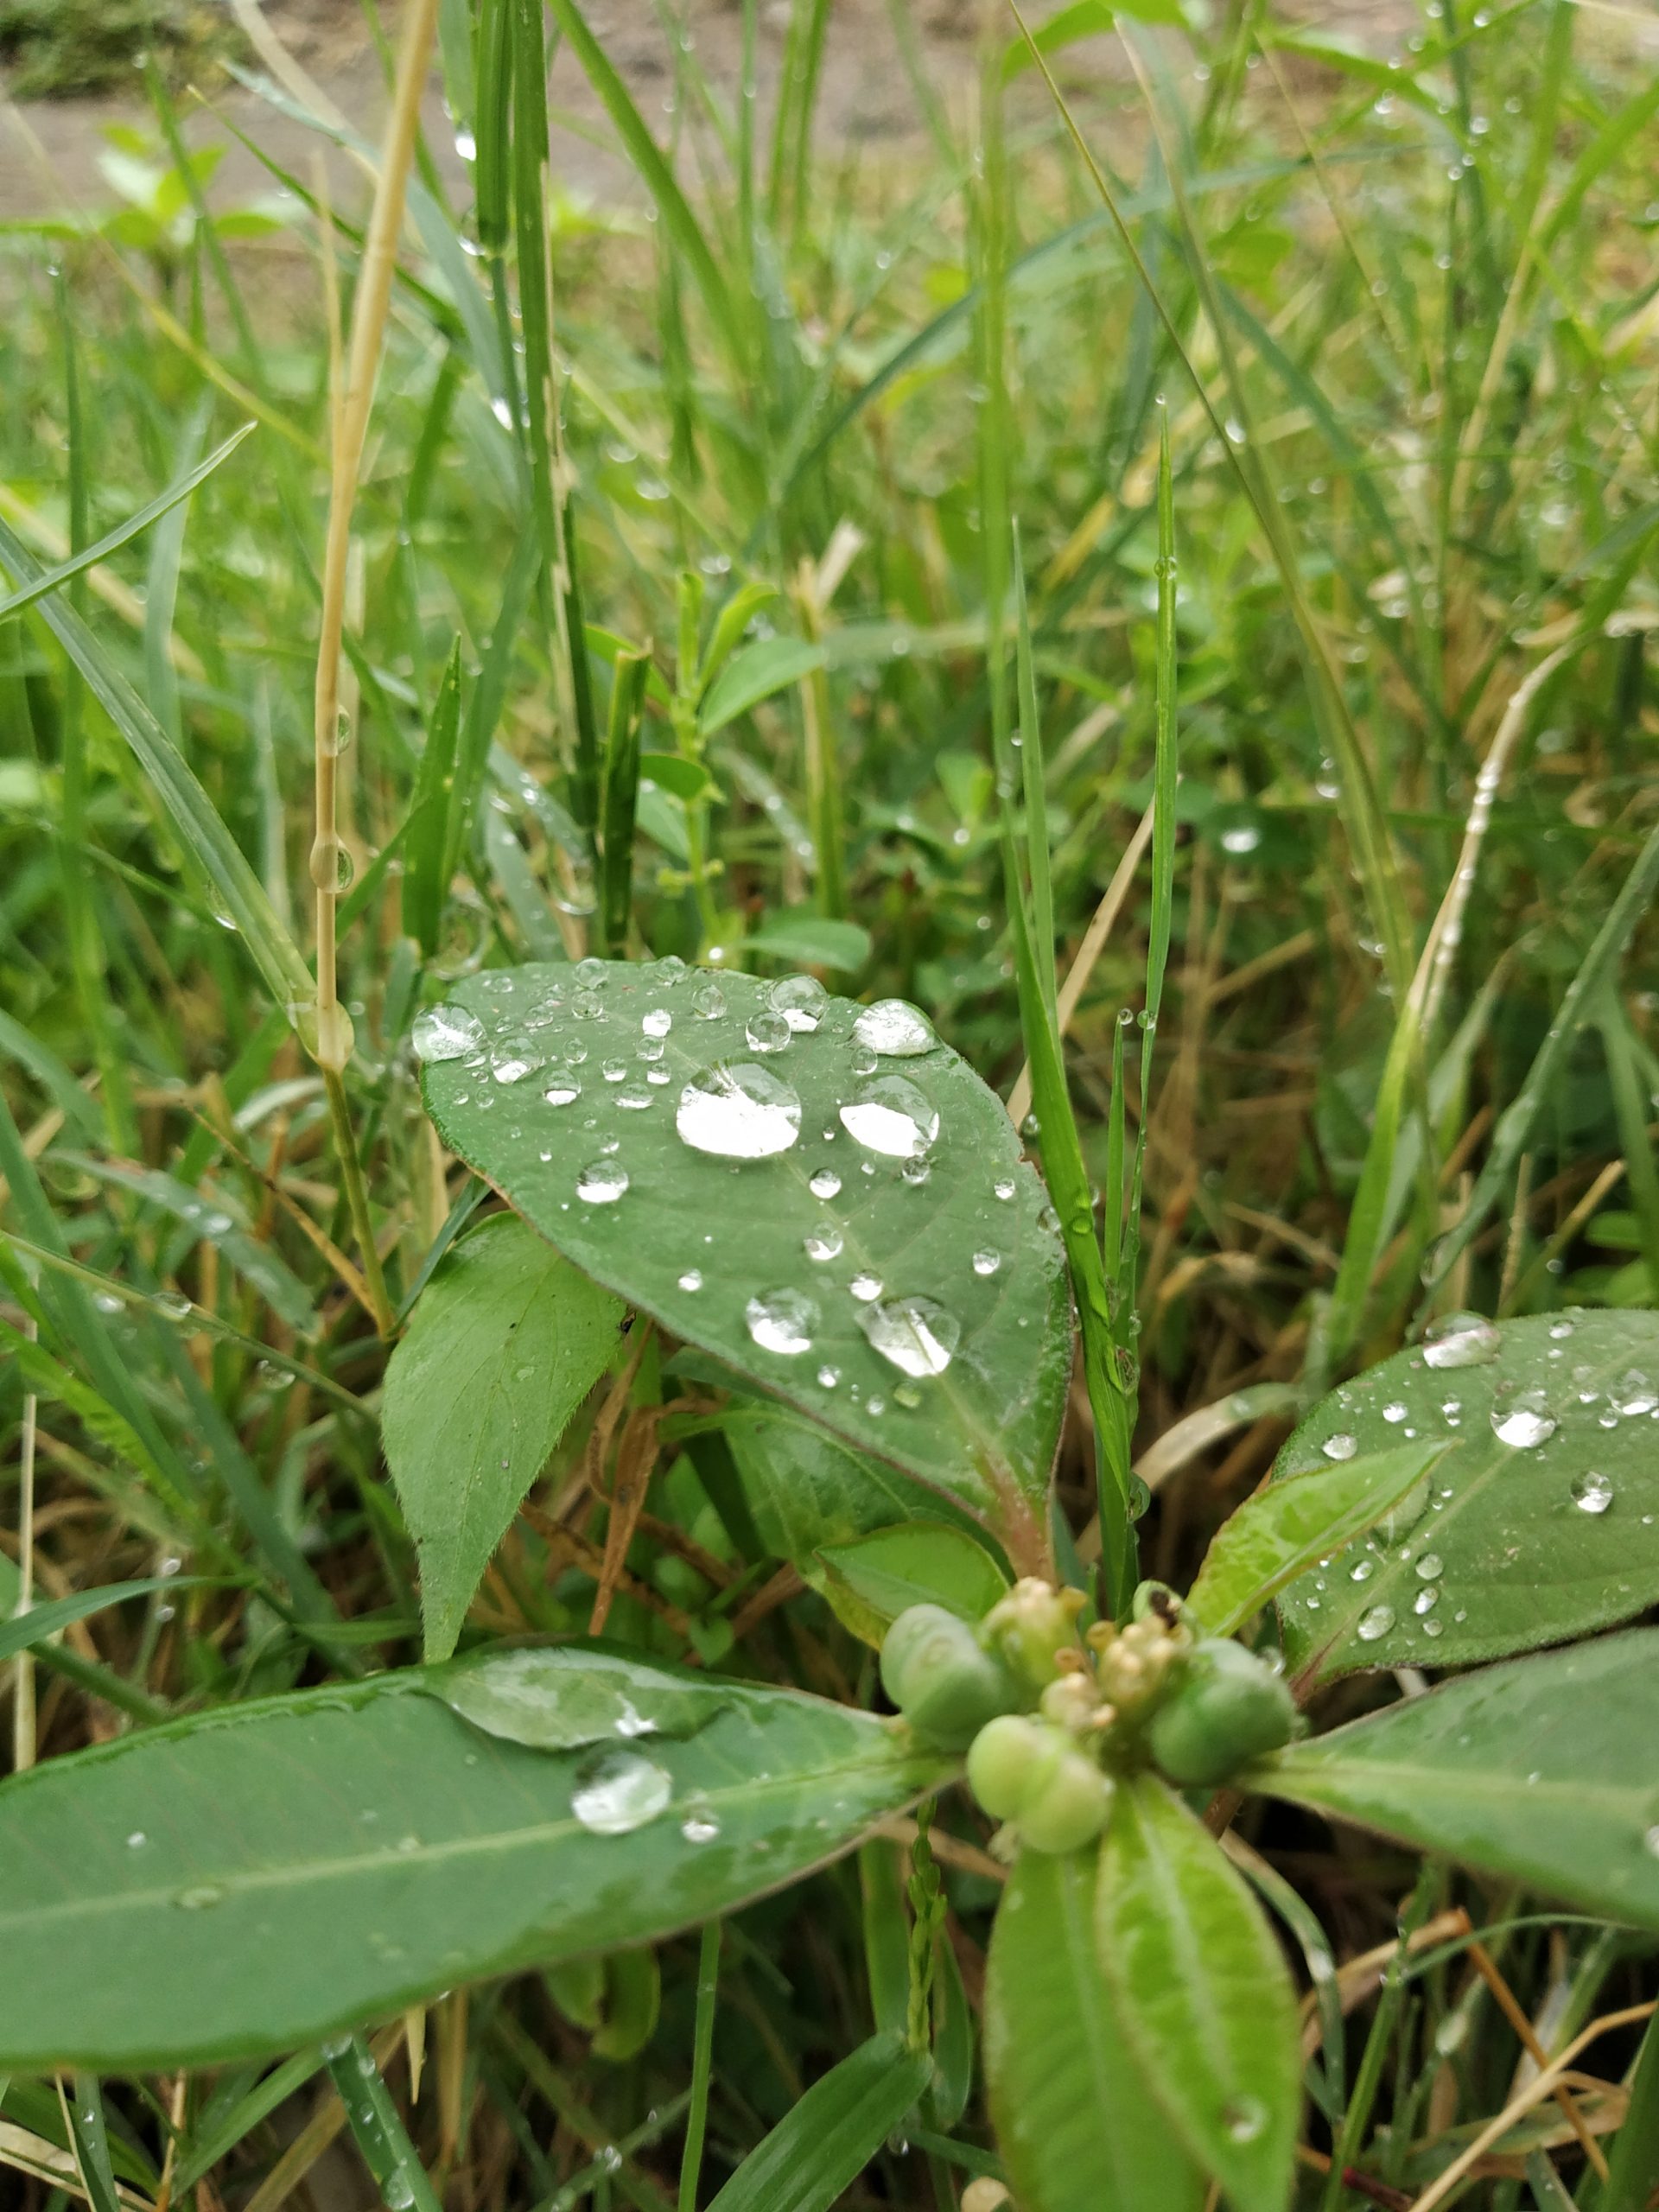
{"type": "Point", "coordinates": [697, 2120]}
{"type": "Point", "coordinates": [1633, 2169]}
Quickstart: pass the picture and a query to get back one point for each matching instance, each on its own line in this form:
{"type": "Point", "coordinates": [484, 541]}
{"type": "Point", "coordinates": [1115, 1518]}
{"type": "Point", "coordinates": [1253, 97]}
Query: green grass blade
{"type": "Point", "coordinates": [426, 843]}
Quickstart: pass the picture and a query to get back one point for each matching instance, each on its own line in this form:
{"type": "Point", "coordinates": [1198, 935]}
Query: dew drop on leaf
{"type": "Point", "coordinates": [1003, 1188]}
{"type": "Point", "coordinates": [782, 1321]}
{"type": "Point", "coordinates": [865, 1286]}
{"type": "Point", "coordinates": [1430, 1566]}
{"type": "Point", "coordinates": [822, 1243]}
{"type": "Point", "coordinates": [986, 1262]}
{"type": "Point", "coordinates": [1593, 1493]}
{"type": "Point", "coordinates": [917, 1335]}
{"type": "Point", "coordinates": [895, 1029]}
{"type": "Point", "coordinates": [1395, 1413]}
{"type": "Point", "coordinates": [657, 1021]}
{"type": "Point", "coordinates": [446, 1032]}
{"type": "Point", "coordinates": [768, 1033]}
{"type": "Point", "coordinates": [1374, 1623]}
{"type": "Point", "coordinates": [708, 1001]}
{"type": "Point", "coordinates": [601, 1182]}
{"type": "Point", "coordinates": [826, 1184]}
{"type": "Point", "coordinates": [738, 1112]}
{"type": "Point", "coordinates": [891, 1116]}
{"type": "Point", "coordinates": [1523, 1421]}
{"type": "Point", "coordinates": [700, 1825]}
{"type": "Point", "coordinates": [620, 1793]}
{"type": "Point", "coordinates": [515, 1058]}
{"type": "Point", "coordinates": [1341, 1445]}
{"type": "Point", "coordinates": [800, 999]}
{"type": "Point", "coordinates": [591, 973]}
{"type": "Point", "coordinates": [1460, 1340]}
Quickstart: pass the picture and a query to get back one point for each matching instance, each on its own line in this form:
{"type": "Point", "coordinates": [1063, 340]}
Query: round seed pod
{"type": "Point", "coordinates": [1228, 1708]}
{"type": "Point", "coordinates": [937, 1674]}
{"type": "Point", "coordinates": [1031, 1774]}
{"type": "Point", "coordinates": [1001, 1760]}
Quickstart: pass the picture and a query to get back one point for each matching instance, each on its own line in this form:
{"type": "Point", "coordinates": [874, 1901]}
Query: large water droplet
{"type": "Point", "coordinates": [825, 1184]}
{"type": "Point", "coordinates": [1374, 1623]}
{"type": "Point", "coordinates": [446, 1032]}
{"type": "Point", "coordinates": [917, 1335]}
{"type": "Point", "coordinates": [1523, 1421]}
{"type": "Point", "coordinates": [891, 1116]}
{"type": "Point", "coordinates": [708, 1001]}
{"type": "Point", "coordinates": [800, 999]}
{"type": "Point", "coordinates": [738, 1112]}
{"type": "Point", "coordinates": [1460, 1340]}
{"type": "Point", "coordinates": [892, 1027]}
{"type": "Point", "coordinates": [782, 1321]}
{"type": "Point", "coordinates": [592, 973]}
{"type": "Point", "coordinates": [515, 1058]}
{"type": "Point", "coordinates": [619, 1793]}
{"type": "Point", "coordinates": [1593, 1493]}
{"type": "Point", "coordinates": [1341, 1445]}
{"type": "Point", "coordinates": [601, 1182]}
{"type": "Point", "coordinates": [1431, 1567]}
{"type": "Point", "coordinates": [768, 1033]}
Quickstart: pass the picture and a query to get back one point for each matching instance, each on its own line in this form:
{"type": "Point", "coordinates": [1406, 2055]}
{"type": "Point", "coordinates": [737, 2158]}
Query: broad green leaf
{"type": "Point", "coordinates": [819, 2149]}
{"type": "Point", "coordinates": [1284, 1529]}
{"type": "Point", "coordinates": [1202, 1995]}
{"type": "Point", "coordinates": [1543, 1524]}
{"type": "Point", "coordinates": [769, 664]}
{"type": "Point", "coordinates": [869, 1582]}
{"type": "Point", "coordinates": [1543, 1770]}
{"type": "Point", "coordinates": [558, 1697]}
{"type": "Point", "coordinates": [922, 1316]}
{"type": "Point", "coordinates": [814, 940]}
{"type": "Point", "coordinates": [506, 1343]}
{"type": "Point", "coordinates": [1075, 2116]}
{"type": "Point", "coordinates": [804, 1490]}
{"type": "Point", "coordinates": [258, 1877]}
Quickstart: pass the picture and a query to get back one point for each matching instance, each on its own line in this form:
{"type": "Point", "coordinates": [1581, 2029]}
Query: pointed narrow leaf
{"type": "Point", "coordinates": [1076, 2119]}
{"type": "Point", "coordinates": [256, 1878]}
{"type": "Point", "coordinates": [1541, 1770]}
{"type": "Point", "coordinates": [507, 1342]}
{"type": "Point", "coordinates": [1202, 1995]}
{"type": "Point", "coordinates": [1543, 1524]}
{"type": "Point", "coordinates": [922, 1316]}
{"type": "Point", "coordinates": [767, 666]}
{"type": "Point", "coordinates": [1284, 1529]}
{"type": "Point", "coordinates": [816, 2152]}
{"type": "Point", "coordinates": [870, 1582]}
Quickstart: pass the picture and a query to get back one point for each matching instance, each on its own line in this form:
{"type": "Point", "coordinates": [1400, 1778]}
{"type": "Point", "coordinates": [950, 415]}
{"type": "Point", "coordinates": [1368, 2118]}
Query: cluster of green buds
{"type": "Point", "coordinates": [1049, 1717]}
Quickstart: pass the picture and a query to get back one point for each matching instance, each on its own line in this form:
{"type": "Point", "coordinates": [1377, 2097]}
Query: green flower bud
{"type": "Point", "coordinates": [937, 1674]}
{"type": "Point", "coordinates": [1228, 1708]}
{"type": "Point", "coordinates": [1031, 1774]}
{"type": "Point", "coordinates": [1031, 1625]}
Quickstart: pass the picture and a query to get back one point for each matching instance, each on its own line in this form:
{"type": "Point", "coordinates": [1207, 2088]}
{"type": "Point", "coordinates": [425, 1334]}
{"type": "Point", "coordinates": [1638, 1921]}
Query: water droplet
{"type": "Point", "coordinates": [1523, 1421]}
{"type": "Point", "coordinates": [891, 1116]}
{"type": "Point", "coordinates": [619, 1793]}
{"type": "Point", "coordinates": [1427, 1598]}
{"type": "Point", "coordinates": [586, 1006]}
{"type": "Point", "coordinates": [1396, 1412]}
{"type": "Point", "coordinates": [800, 999]}
{"type": "Point", "coordinates": [828, 1377]}
{"type": "Point", "coordinates": [1374, 1623]}
{"type": "Point", "coordinates": [987, 1263]}
{"type": "Point", "coordinates": [692, 1279]}
{"type": "Point", "coordinates": [332, 867]}
{"type": "Point", "coordinates": [1431, 1567]}
{"type": "Point", "coordinates": [515, 1058]}
{"type": "Point", "coordinates": [826, 1184]}
{"type": "Point", "coordinates": [562, 1085]}
{"type": "Point", "coordinates": [864, 1286]}
{"type": "Point", "coordinates": [1245, 2118]}
{"type": "Point", "coordinates": [1435, 1626]}
{"type": "Point", "coordinates": [614, 1071]}
{"type": "Point", "coordinates": [446, 1032]}
{"type": "Point", "coordinates": [592, 973]}
{"type": "Point", "coordinates": [700, 1825]}
{"type": "Point", "coordinates": [657, 1021]}
{"type": "Point", "coordinates": [200, 1897]}
{"type": "Point", "coordinates": [782, 1321]}
{"type": "Point", "coordinates": [917, 1335]}
{"type": "Point", "coordinates": [1364, 1570]}
{"type": "Point", "coordinates": [633, 1098]}
{"type": "Point", "coordinates": [1559, 1329]}
{"type": "Point", "coordinates": [1003, 1188]}
{"type": "Point", "coordinates": [708, 1001]}
{"type": "Point", "coordinates": [601, 1182]}
{"type": "Point", "coordinates": [137, 1840]}
{"type": "Point", "coordinates": [1593, 1493]}
{"type": "Point", "coordinates": [173, 1304]}
{"type": "Point", "coordinates": [895, 1029]}
{"type": "Point", "coordinates": [822, 1244]}
{"type": "Point", "coordinates": [740, 1111]}
{"type": "Point", "coordinates": [1341, 1445]}
{"type": "Point", "coordinates": [1460, 1340]}
{"type": "Point", "coordinates": [650, 1050]}
{"type": "Point", "coordinates": [1241, 839]}
{"type": "Point", "coordinates": [768, 1033]}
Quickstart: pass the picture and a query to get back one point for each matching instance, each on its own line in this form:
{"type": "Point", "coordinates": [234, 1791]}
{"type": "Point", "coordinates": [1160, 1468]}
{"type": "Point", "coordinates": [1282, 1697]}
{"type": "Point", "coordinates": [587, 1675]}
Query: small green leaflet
{"type": "Point", "coordinates": [820, 2147]}
{"type": "Point", "coordinates": [506, 1343]}
{"type": "Point", "coordinates": [870, 1582]}
{"type": "Point", "coordinates": [1541, 1770]}
{"type": "Point", "coordinates": [1543, 1525]}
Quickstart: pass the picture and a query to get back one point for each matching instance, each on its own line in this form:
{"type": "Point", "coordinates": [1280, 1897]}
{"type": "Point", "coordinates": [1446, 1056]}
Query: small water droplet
{"type": "Point", "coordinates": [1561, 1329]}
{"type": "Point", "coordinates": [826, 1184]}
{"type": "Point", "coordinates": [865, 1286]}
{"type": "Point", "coordinates": [782, 1321]}
{"type": "Point", "coordinates": [1427, 1598]}
{"type": "Point", "coordinates": [635, 1098]}
{"type": "Point", "coordinates": [1374, 1623]}
{"type": "Point", "coordinates": [137, 1840]}
{"type": "Point", "coordinates": [828, 1377]}
{"type": "Point", "coordinates": [692, 1279]}
{"type": "Point", "coordinates": [891, 1116]}
{"type": "Point", "coordinates": [563, 1084]}
{"type": "Point", "coordinates": [987, 1263]}
{"type": "Point", "coordinates": [601, 1182]}
{"type": "Point", "coordinates": [1523, 1421]}
{"type": "Point", "coordinates": [738, 1112]}
{"type": "Point", "coordinates": [917, 1335]}
{"type": "Point", "coordinates": [823, 1242]}
{"type": "Point", "coordinates": [700, 1825]}
{"type": "Point", "coordinates": [1003, 1188]}
{"type": "Point", "coordinates": [614, 1071]}
{"type": "Point", "coordinates": [768, 1033]}
{"type": "Point", "coordinates": [800, 999]}
{"type": "Point", "coordinates": [515, 1058]}
{"type": "Point", "coordinates": [1431, 1567]}
{"type": "Point", "coordinates": [1460, 1340]}
{"type": "Point", "coordinates": [895, 1029]}
{"type": "Point", "coordinates": [446, 1033]}
{"type": "Point", "coordinates": [1396, 1413]}
{"type": "Point", "coordinates": [620, 1792]}
{"type": "Point", "coordinates": [173, 1304]}
{"type": "Point", "coordinates": [708, 1001]}
{"type": "Point", "coordinates": [1244, 2118]}
{"type": "Point", "coordinates": [1593, 1493]}
{"type": "Point", "coordinates": [1341, 1445]}
{"type": "Point", "coordinates": [592, 973]}
{"type": "Point", "coordinates": [1363, 1571]}
{"type": "Point", "coordinates": [200, 1897]}
{"type": "Point", "coordinates": [657, 1021]}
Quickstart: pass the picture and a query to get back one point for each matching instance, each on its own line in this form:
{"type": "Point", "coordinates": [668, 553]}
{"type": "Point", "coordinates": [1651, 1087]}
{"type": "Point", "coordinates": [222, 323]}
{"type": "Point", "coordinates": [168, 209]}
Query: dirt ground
{"type": "Point", "coordinates": [49, 151]}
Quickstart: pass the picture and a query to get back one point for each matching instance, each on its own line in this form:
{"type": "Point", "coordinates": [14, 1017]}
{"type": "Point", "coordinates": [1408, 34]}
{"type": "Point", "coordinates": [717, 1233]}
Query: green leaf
{"type": "Point", "coordinates": [427, 841]}
{"type": "Point", "coordinates": [1282, 1530]}
{"type": "Point", "coordinates": [375, 2122]}
{"type": "Point", "coordinates": [819, 2149]}
{"type": "Point", "coordinates": [1540, 1770]}
{"type": "Point", "coordinates": [805, 1490]}
{"type": "Point", "coordinates": [1203, 1997]}
{"type": "Point", "coordinates": [23, 1630]}
{"type": "Point", "coordinates": [506, 1343]}
{"type": "Point", "coordinates": [681, 778]}
{"type": "Point", "coordinates": [558, 1697]}
{"type": "Point", "coordinates": [256, 1877]}
{"type": "Point", "coordinates": [769, 664]}
{"type": "Point", "coordinates": [1075, 2117]}
{"type": "Point", "coordinates": [869, 1582]}
{"type": "Point", "coordinates": [716, 1246]}
{"type": "Point", "coordinates": [813, 940]}
{"type": "Point", "coordinates": [1511, 1543]}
